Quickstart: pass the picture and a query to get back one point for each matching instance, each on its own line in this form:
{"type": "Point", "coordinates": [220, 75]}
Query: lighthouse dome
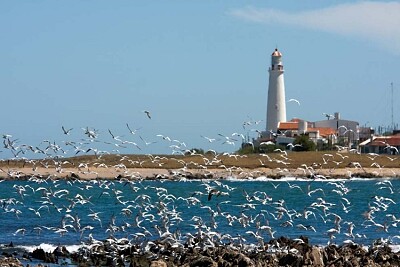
{"type": "Point", "coordinates": [276, 53]}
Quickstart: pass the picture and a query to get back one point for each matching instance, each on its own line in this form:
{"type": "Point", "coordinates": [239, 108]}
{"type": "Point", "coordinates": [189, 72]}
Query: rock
{"type": "Point", "coordinates": [203, 261]}
{"type": "Point", "coordinates": [40, 254]}
{"type": "Point", "coordinates": [243, 260]}
{"type": "Point", "coordinates": [10, 262]}
{"type": "Point", "coordinates": [74, 175]}
{"type": "Point", "coordinates": [316, 257]}
{"type": "Point", "coordinates": [290, 260]}
{"type": "Point", "coordinates": [159, 263]}
{"type": "Point", "coordinates": [61, 251]}
{"type": "Point", "coordinates": [234, 258]}
{"type": "Point", "coordinates": [331, 254]}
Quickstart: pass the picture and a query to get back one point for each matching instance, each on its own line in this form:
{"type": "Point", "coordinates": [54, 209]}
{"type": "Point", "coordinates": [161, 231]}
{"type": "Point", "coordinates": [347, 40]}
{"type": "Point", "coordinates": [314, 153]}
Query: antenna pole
{"type": "Point", "coordinates": [391, 84]}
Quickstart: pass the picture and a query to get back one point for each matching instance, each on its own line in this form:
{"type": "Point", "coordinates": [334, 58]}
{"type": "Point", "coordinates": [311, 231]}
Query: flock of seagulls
{"type": "Point", "coordinates": [185, 214]}
{"type": "Point", "coordinates": [158, 215]}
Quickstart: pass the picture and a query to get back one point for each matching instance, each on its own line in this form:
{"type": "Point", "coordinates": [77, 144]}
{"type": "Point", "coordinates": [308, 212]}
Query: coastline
{"type": "Point", "coordinates": [280, 251]}
{"type": "Point", "coordinates": [213, 173]}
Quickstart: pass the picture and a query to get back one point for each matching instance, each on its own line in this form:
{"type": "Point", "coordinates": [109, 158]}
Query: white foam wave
{"type": "Point", "coordinates": [50, 247]}
{"type": "Point", "coordinates": [286, 179]}
{"type": "Point", "coordinates": [395, 248]}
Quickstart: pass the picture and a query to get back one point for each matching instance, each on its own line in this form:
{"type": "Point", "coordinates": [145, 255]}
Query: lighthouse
{"type": "Point", "coordinates": [276, 105]}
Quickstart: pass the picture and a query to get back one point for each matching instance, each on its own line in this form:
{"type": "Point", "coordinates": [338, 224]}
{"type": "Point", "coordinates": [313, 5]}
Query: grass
{"type": "Point", "coordinates": [291, 160]}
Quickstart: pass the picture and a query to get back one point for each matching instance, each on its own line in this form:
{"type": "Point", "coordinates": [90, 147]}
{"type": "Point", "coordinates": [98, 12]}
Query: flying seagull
{"type": "Point", "coordinates": [294, 100]}
{"type": "Point", "coordinates": [328, 116]}
{"type": "Point", "coordinates": [147, 113]}
{"type": "Point", "coordinates": [134, 131]}
{"type": "Point", "coordinates": [66, 131]}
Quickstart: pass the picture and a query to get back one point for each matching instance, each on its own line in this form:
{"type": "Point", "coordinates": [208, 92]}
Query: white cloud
{"type": "Point", "coordinates": [375, 21]}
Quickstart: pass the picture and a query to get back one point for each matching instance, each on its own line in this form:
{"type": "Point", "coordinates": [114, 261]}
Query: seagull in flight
{"type": "Point", "coordinates": [208, 138]}
{"type": "Point", "coordinates": [134, 131]}
{"type": "Point", "coordinates": [147, 113]}
{"type": "Point", "coordinates": [113, 136]}
{"type": "Point", "coordinates": [328, 116]}
{"type": "Point", "coordinates": [67, 132]}
{"type": "Point", "coordinates": [294, 100]}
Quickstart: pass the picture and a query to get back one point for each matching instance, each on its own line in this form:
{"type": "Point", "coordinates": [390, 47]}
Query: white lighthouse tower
{"type": "Point", "coordinates": [276, 106]}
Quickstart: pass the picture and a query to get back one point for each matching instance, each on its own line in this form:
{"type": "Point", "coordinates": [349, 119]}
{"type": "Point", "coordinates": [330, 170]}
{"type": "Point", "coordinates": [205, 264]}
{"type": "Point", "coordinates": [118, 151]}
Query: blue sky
{"type": "Point", "coordinates": [199, 67]}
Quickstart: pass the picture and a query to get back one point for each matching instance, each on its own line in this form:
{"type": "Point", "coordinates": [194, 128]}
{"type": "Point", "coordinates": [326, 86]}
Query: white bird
{"type": "Point", "coordinates": [294, 100]}
{"type": "Point", "coordinates": [146, 142]}
{"type": "Point", "coordinates": [267, 143]}
{"type": "Point", "coordinates": [66, 131]}
{"type": "Point", "coordinates": [20, 231]}
{"type": "Point", "coordinates": [291, 145]}
{"type": "Point", "coordinates": [37, 213]}
{"type": "Point", "coordinates": [210, 140]}
{"type": "Point", "coordinates": [164, 137]}
{"type": "Point", "coordinates": [132, 131]}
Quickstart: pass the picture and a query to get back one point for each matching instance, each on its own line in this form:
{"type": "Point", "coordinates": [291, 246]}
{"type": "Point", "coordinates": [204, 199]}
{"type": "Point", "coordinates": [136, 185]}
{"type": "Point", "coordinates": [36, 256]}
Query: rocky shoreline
{"type": "Point", "coordinates": [202, 249]}
{"type": "Point", "coordinates": [277, 252]}
{"type": "Point", "coordinates": [178, 174]}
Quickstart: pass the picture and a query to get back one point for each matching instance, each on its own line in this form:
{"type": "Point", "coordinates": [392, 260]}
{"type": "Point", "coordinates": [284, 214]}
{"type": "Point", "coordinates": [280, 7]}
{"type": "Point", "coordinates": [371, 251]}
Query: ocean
{"type": "Point", "coordinates": [48, 213]}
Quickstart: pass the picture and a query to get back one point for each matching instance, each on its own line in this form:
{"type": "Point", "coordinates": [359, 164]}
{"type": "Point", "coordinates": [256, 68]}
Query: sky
{"type": "Point", "coordinates": [199, 67]}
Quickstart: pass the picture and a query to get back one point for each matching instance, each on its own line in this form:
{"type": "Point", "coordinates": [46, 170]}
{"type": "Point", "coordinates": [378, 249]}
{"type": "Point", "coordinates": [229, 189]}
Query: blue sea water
{"type": "Point", "coordinates": [142, 209]}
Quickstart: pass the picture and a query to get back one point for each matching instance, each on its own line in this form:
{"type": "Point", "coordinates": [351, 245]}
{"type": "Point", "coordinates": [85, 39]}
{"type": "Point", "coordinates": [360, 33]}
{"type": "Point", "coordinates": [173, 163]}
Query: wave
{"type": "Point", "coordinates": [50, 247]}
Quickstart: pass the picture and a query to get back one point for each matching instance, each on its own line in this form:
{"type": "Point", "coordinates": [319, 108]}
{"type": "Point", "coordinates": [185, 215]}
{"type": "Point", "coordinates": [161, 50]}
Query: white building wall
{"type": "Point", "coordinates": [345, 128]}
{"type": "Point", "coordinates": [276, 105]}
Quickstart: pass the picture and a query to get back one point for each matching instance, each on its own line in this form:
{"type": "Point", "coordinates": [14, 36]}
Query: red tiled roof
{"type": "Point", "coordinates": [288, 125]}
{"type": "Point", "coordinates": [325, 131]}
{"type": "Point", "coordinates": [294, 125]}
{"type": "Point", "coordinates": [393, 140]}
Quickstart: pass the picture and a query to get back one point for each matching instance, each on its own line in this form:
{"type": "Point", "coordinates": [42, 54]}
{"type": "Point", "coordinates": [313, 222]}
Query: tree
{"type": "Point", "coordinates": [306, 144]}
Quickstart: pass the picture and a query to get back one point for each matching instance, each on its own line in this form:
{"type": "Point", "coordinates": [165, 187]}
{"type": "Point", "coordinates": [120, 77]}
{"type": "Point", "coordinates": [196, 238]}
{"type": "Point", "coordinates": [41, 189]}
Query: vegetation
{"type": "Point", "coordinates": [315, 159]}
{"type": "Point", "coordinates": [304, 143]}
{"type": "Point", "coordinates": [264, 148]}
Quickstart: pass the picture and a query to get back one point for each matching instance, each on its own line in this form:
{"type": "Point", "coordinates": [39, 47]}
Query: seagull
{"type": "Point", "coordinates": [328, 116]}
{"type": "Point", "coordinates": [37, 213]}
{"type": "Point", "coordinates": [216, 192]}
{"type": "Point", "coordinates": [113, 136]}
{"type": "Point", "coordinates": [291, 145]}
{"type": "Point", "coordinates": [20, 231]}
{"type": "Point", "coordinates": [147, 113]}
{"type": "Point", "coordinates": [164, 137]}
{"type": "Point", "coordinates": [147, 143]}
{"type": "Point", "coordinates": [67, 132]}
{"type": "Point", "coordinates": [134, 131]}
{"type": "Point", "coordinates": [267, 143]}
{"type": "Point", "coordinates": [294, 100]}
{"type": "Point", "coordinates": [210, 140]}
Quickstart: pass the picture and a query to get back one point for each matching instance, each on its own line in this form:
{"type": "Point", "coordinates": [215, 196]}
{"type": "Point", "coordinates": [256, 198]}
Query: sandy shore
{"type": "Point", "coordinates": [159, 173]}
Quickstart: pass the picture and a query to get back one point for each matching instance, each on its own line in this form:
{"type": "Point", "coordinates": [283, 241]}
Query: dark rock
{"type": "Point", "coordinates": [203, 261]}
{"type": "Point", "coordinates": [40, 254]}
{"type": "Point", "coordinates": [61, 251]}
{"type": "Point", "coordinates": [305, 239]}
{"type": "Point", "coordinates": [331, 254]}
{"type": "Point", "coordinates": [290, 260]}
{"type": "Point", "coordinates": [74, 175]}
